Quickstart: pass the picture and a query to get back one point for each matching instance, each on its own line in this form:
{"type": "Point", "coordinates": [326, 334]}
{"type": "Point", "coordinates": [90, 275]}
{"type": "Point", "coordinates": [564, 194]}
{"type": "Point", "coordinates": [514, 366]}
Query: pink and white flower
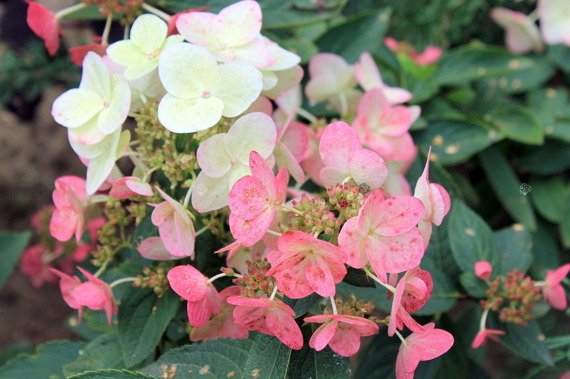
{"type": "Point", "coordinates": [69, 198]}
{"type": "Point", "coordinates": [436, 201]}
{"type": "Point", "coordinates": [384, 233]}
{"type": "Point", "coordinates": [554, 21]}
{"type": "Point", "coordinates": [201, 295]}
{"type": "Point", "coordinates": [521, 33]}
{"type": "Point", "coordinates": [255, 199]}
{"type": "Point", "coordinates": [423, 345]}
{"type": "Point", "coordinates": [341, 332]}
{"type": "Point", "coordinates": [345, 159]}
{"type": "Point", "coordinates": [271, 317]}
{"type": "Point", "coordinates": [304, 264]}
{"type": "Point", "coordinates": [224, 158]}
{"type": "Point", "coordinates": [369, 78]}
{"type": "Point", "coordinates": [175, 227]}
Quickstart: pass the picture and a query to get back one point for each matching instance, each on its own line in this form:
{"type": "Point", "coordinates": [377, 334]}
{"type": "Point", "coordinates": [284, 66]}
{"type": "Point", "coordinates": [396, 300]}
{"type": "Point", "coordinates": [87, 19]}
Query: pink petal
{"type": "Point", "coordinates": [63, 224]}
{"type": "Point", "coordinates": [367, 73]}
{"type": "Point", "coordinates": [353, 244]}
{"type": "Point", "coordinates": [285, 328]}
{"type": "Point", "coordinates": [285, 159]}
{"type": "Point", "coordinates": [556, 296]}
{"type": "Point", "coordinates": [319, 277]}
{"type": "Point", "coordinates": [430, 343]}
{"type": "Point", "coordinates": [367, 167]}
{"type": "Point", "coordinates": [393, 216]}
{"type": "Point", "coordinates": [188, 282]}
{"type": "Point", "coordinates": [401, 253]}
{"type": "Point", "coordinates": [322, 336]}
{"type": "Point", "coordinates": [396, 304]}
{"type": "Point", "coordinates": [248, 197]}
{"type": "Point", "coordinates": [483, 269]}
{"type": "Point", "coordinates": [296, 139]}
{"type": "Point", "coordinates": [152, 248]}
{"type": "Point", "coordinates": [44, 23]}
{"type": "Point", "coordinates": [345, 342]}
{"type": "Point", "coordinates": [554, 277]}
{"type": "Point", "coordinates": [337, 144]}
{"type": "Point", "coordinates": [249, 232]}
{"type": "Point", "coordinates": [90, 295]}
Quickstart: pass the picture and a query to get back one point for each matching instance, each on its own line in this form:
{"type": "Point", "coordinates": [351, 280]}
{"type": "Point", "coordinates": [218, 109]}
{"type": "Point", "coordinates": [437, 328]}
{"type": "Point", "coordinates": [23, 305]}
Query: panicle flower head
{"type": "Point", "coordinates": [346, 199]}
{"type": "Point", "coordinates": [313, 216]}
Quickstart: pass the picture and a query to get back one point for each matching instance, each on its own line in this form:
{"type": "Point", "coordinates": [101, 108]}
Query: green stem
{"type": "Point", "coordinates": [121, 281]}
{"type": "Point", "coordinates": [66, 11]}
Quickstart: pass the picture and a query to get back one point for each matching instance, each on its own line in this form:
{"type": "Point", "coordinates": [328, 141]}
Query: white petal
{"type": "Point", "coordinates": [200, 28]}
{"type": "Point", "coordinates": [148, 33]}
{"type": "Point", "coordinates": [125, 53]}
{"type": "Point", "coordinates": [213, 157]}
{"type": "Point", "coordinates": [187, 116]}
{"type": "Point", "coordinates": [241, 22]}
{"type": "Point", "coordinates": [96, 76]}
{"type": "Point", "coordinates": [186, 70]}
{"type": "Point", "coordinates": [284, 59]}
{"type": "Point", "coordinates": [269, 80]}
{"type": "Point", "coordinates": [254, 131]}
{"type": "Point", "coordinates": [237, 84]}
{"type": "Point", "coordinates": [112, 117]}
{"type": "Point", "coordinates": [209, 194]}
{"type": "Point", "coordinates": [286, 80]}
{"type": "Point", "coordinates": [100, 167]}
{"type": "Point", "coordinates": [75, 107]}
{"type": "Point", "coordinates": [86, 151]}
{"type": "Point", "coordinates": [87, 134]}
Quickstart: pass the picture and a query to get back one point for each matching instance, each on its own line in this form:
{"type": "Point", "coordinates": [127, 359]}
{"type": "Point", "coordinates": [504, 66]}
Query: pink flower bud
{"type": "Point", "coordinates": [483, 270]}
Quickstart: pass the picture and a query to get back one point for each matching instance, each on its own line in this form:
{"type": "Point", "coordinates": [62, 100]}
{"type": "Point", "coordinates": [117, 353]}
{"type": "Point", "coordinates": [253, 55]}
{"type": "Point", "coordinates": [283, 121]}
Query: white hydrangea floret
{"type": "Point", "coordinates": [200, 91]}
{"type": "Point", "coordinates": [98, 107]}
{"type": "Point", "coordinates": [140, 54]}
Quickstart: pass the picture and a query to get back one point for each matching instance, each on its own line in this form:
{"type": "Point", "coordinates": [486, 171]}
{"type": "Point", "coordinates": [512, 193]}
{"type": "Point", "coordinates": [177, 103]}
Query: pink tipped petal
{"type": "Point", "coordinates": [397, 95]}
{"type": "Point", "coordinates": [152, 248]}
{"type": "Point", "coordinates": [367, 167]}
{"type": "Point", "coordinates": [337, 143]}
{"type": "Point", "coordinates": [367, 73]}
{"type": "Point", "coordinates": [554, 277]}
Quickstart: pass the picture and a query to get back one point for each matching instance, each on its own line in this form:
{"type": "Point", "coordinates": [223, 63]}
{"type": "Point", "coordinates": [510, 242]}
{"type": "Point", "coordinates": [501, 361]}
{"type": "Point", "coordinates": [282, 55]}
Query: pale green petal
{"type": "Point", "coordinates": [213, 157]}
{"type": "Point", "coordinates": [87, 134]}
{"type": "Point", "coordinates": [75, 107]}
{"type": "Point", "coordinates": [96, 76]}
{"type": "Point", "coordinates": [187, 116]}
{"type": "Point", "coordinates": [125, 53]}
{"type": "Point", "coordinates": [112, 117]}
{"type": "Point", "coordinates": [148, 33]}
{"type": "Point", "coordinates": [209, 194]}
{"type": "Point", "coordinates": [186, 69]}
{"type": "Point", "coordinates": [100, 167]}
{"type": "Point", "coordinates": [237, 84]}
{"type": "Point", "coordinates": [254, 131]}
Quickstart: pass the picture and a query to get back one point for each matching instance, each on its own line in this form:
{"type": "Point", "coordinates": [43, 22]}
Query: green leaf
{"type": "Point", "coordinates": [356, 35]}
{"type": "Point", "coordinates": [472, 284]}
{"type": "Point", "coordinates": [358, 278]}
{"type": "Point", "coordinates": [545, 250]}
{"type": "Point", "coordinates": [378, 358]}
{"type": "Point", "coordinates": [438, 254]}
{"type": "Point", "coordinates": [551, 108]}
{"type": "Point", "coordinates": [514, 247]}
{"type": "Point", "coordinates": [302, 306]}
{"type": "Point", "coordinates": [12, 246]}
{"type": "Point", "coordinates": [517, 124]}
{"type": "Point", "coordinates": [222, 358]}
{"type": "Point", "coordinates": [549, 197]}
{"type": "Point", "coordinates": [507, 187]}
{"type": "Point", "coordinates": [552, 158]}
{"type": "Point", "coordinates": [143, 318]}
{"type": "Point", "coordinates": [309, 363]}
{"type": "Point", "coordinates": [523, 80]}
{"type": "Point", "coordinates": [454, 142]}
{"type": "Point", "coordinates": [268, 357]}
{"type": "Point", "coordinates": [111, 374]}
{"type": "Point", "coordinates": [46, 363]}
{"type": "Point", "coordinates": [560, 54]}
{"type": "Point", "coordinates": [565, 224]}
{"type": "Point", "coordinates": [103, 352]}
{"type": "Point", "coordinates": [470, 238]}
{"type": "Point", "coordinates": [527, 342]}
{"type": "Point", "coordinates": [477, 61]}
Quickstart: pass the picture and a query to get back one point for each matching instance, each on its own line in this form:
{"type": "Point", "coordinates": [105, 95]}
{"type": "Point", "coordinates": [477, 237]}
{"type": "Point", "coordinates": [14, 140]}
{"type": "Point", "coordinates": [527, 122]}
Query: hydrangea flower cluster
{"type": "Point", "coordinates": [222, 147]}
